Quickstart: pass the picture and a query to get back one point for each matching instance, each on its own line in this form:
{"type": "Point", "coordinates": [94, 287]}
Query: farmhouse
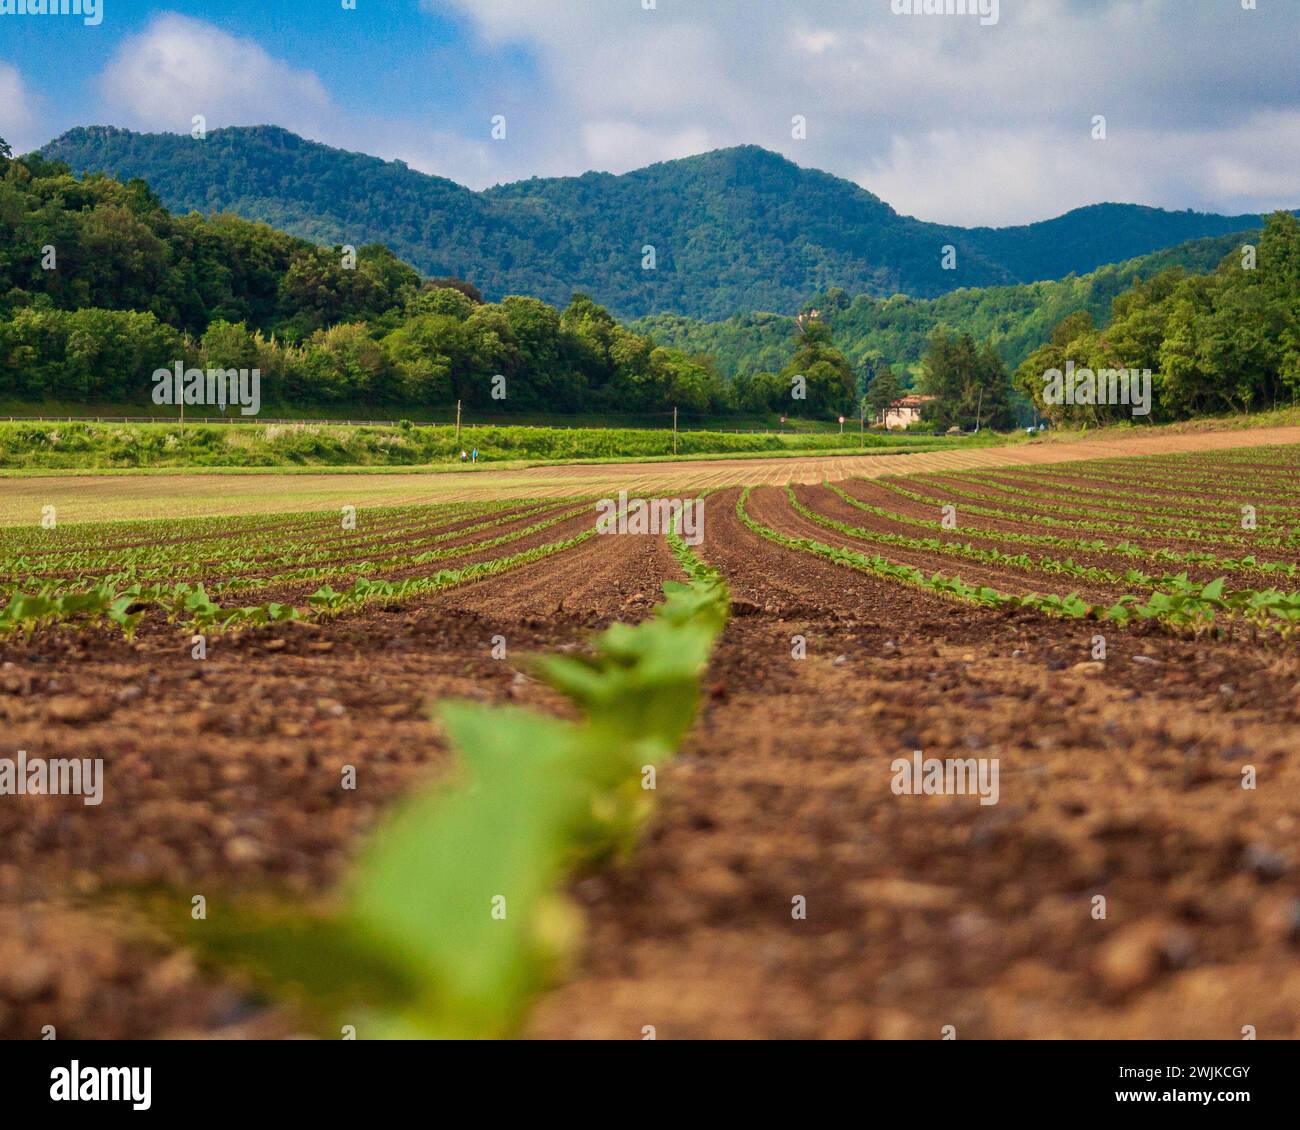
{"type": "Point", "coordinates": [904, 411]}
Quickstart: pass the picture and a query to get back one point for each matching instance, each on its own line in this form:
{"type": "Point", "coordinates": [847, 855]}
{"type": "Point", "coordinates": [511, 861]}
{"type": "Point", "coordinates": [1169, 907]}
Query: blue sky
{"type": "Point", "coordinates": [391, 60]}
{"type": "Point", "coordinates": [946, 117]}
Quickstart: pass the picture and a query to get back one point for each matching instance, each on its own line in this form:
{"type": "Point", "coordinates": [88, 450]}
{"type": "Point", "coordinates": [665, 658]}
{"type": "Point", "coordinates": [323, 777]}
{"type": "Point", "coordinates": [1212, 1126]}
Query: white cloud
{"type": "Point", "coordinates": [943, 118]}
{"type": "Point", "coordinates": [816, 42]}
{"type": "Point", "coordinates": [1259, 163]}
{"type": "Point", "coordinates": [179, 67]}
{"type": "Point", "coordinates": [20, 111]}
{"type": "Point", "coordinates": [621, 144]}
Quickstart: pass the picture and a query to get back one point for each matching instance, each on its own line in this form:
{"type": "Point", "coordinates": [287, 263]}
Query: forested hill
{"type": "Point", "coordinates": [97, 243]}
{"type": "Point", "coordinates": [100, 287]}
{"type": "Point", "coordinates": [1015, 320]}
{"type": "Point", "coordinates": [732, 230]}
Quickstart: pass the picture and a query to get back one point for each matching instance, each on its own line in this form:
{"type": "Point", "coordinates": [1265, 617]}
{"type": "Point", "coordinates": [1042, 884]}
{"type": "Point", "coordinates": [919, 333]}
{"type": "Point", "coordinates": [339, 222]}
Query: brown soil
{"type": "Point", "coordinates": [929, 911]}
{"type": "Point", "coordinates": [219, 776]}
{"type": "Point", "coordinates": [1236, 542]}
{"type": "Point", "coordinates": [825, 503]}
{"type": "Point", "coordinates": [617, 576]}
{"type": "Point", "coordinates": [1119, 779]}
{"type": "Point", "coordinates": [1061, 488]}
{"type": "Point", "coordinates": [770, 506]}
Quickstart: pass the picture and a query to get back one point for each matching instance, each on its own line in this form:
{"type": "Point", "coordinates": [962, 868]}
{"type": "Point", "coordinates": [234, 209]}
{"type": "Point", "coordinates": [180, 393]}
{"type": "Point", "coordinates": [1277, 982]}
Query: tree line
{"type": "Point", "coordinates": [1227, 341]}
{"type": "Point", "coordinates": [100, 286]}
{"type": "Point", "coordinates": [1014, 319]}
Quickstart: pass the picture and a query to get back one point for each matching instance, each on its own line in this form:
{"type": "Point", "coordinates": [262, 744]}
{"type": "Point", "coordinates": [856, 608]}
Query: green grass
{"type": "Point", "coordinates": [81, 445]}
{"type": "Point", "coordinates": [371, 413]}
{"type": "Point", "coordinates": [1281, 417]}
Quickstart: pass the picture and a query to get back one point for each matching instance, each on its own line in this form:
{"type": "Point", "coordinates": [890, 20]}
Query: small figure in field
{"type": "Point", "coordinates": [474, 456]}
{"type": "Point", "coordinates": [464, 457]}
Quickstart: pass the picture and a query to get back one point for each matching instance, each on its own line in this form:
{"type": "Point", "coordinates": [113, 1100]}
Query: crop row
{"type": "Point", "coordinates": [1178, 602]}
{"type": "Point", "coordinates": [1009, 512]}
{"type": "Point", "coordinates": [192, 606]}
{"type": "Point", "coordinates": [169, 547]}
{"type": "Point", "coordinates": [1217, 481]}
{"type": "Point", "coordinates": [1214, 495]}
{"type": "Point", "coordinates": [453, 917]}
{"type": "Point", "coordinates": [1208, 491]}
{"type": "Point", "coordinates": [239, 574]}
{"type": "Point", "coordinates": [1121, 548]}
{"type": "Point", "coordinates": [1163, 516]}
{"type": "Point", "coordinates": [1158, 508]}
{"type": "Point", "coordinates": [1043, 564]}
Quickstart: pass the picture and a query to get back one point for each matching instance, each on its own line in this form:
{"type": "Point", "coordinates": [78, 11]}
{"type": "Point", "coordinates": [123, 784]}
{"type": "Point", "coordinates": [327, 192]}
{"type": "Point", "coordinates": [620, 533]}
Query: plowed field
{"type": "Point", "coordinates": [1118, 635]}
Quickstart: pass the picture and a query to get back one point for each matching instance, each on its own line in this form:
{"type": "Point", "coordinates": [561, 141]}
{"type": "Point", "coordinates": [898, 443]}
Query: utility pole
{"type": "Point", "coordinates": [674, 429]}
{"type": "Point", "coordinates": [862, 423]}
{"type": "Point", "coordinates": [458, 423]}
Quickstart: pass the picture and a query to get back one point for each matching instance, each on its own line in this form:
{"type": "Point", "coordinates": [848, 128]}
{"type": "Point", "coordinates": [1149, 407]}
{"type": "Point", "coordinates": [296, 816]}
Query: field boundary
{"type": "Point", "coordinates": [91, 497]}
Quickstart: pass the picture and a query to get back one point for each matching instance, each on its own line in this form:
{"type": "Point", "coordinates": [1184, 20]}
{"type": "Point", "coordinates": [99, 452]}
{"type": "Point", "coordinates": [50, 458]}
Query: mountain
{"type": "Point", "coordinates": [101, 286]}
{"type": "Point", "coordinates": [98, 244]}
{"type": "Point", "coordinates": [732, 230]}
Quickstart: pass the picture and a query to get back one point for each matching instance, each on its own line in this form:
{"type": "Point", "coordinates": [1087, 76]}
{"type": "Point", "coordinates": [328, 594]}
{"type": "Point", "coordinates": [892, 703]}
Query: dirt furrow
{"type": "Point", "coordinates": [613, 575]}
{"type": "Point", "coordinates": [1234, 545]}
{"type": "Point", "coordinates": [785, 889]}
{"type": "Point", "coordinates": [829, 505]}
{"type": "Point", "coordinates": [770, 506]}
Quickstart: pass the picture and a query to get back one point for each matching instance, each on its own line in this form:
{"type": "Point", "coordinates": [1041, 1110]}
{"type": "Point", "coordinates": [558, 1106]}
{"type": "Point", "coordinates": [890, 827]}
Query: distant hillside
{"type": "Point", "coordinates": [114, 246]}
{"type": "Point", "coordinates": [733, 230]}
{"type": "Point", "coordinates": [100, 287]}
{"type": "Point", "coordinates": [1016, 319]}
